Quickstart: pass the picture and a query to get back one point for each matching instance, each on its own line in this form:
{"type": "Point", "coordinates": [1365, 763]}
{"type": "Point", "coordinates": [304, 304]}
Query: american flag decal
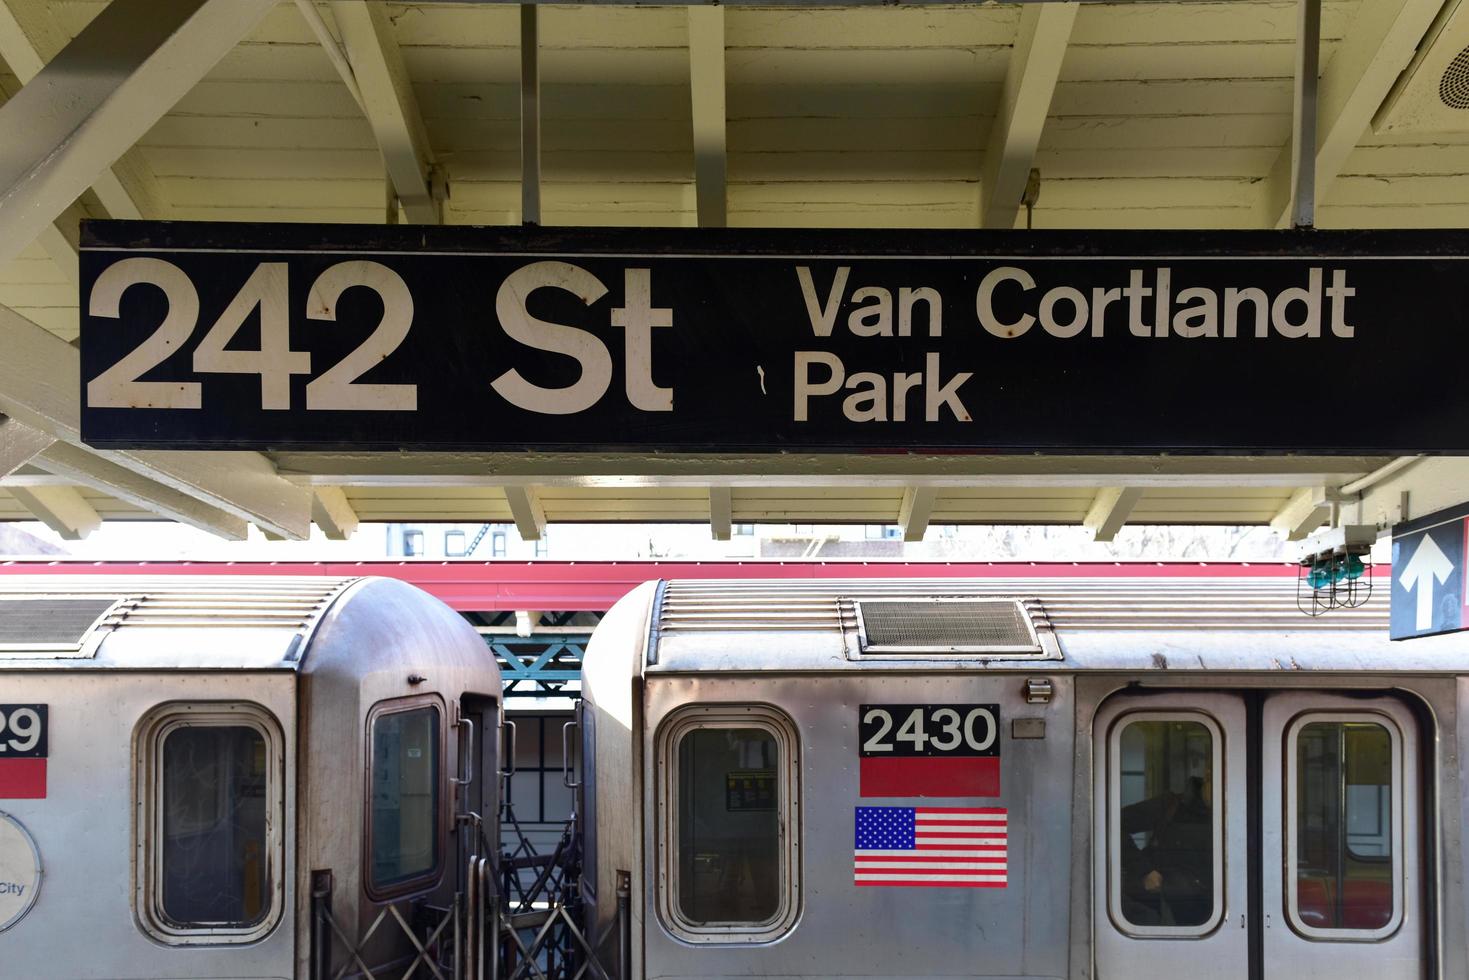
{"type": "Point", "coordinates": [930, 846]}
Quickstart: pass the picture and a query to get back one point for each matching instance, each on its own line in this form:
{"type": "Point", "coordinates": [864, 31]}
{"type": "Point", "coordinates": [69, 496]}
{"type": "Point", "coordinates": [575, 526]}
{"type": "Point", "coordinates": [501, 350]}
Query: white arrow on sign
{"type": "Point", "coordinates": [1428, 563]}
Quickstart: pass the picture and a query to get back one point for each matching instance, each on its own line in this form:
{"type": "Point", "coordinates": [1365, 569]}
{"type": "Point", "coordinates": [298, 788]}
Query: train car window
{"type": "Point", "coordinates": [210, 783]}
{"type": "Point", "coordinates": [728, 829]}
{"type": "Point", "coordinates": [1166, 834]}
{"type": "Point", "coordinates": [1344, 826]}
{"type": "Point", "coordinates": [404, 788]}
{"type": "Point", "coordinates": [730, 824]}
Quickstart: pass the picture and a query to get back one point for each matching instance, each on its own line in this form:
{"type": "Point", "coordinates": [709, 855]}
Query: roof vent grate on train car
{"type": "Point", "coordinates": [929, 625]}
{"type": "Point", "coordinates": [49, 624]}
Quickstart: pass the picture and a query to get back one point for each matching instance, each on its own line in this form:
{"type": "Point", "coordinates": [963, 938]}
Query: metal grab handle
{"type": "Point", "coordinates": [566, 766]}
{"type": "Point", "coordinates": [507, 747]}
{"type": "Point", "coordinates": [467, 761]}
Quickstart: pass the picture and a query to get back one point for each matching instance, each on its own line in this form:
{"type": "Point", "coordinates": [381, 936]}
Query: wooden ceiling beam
{"type": "Point", "coordinates": [1110, 509]}
{"type": "Point", "coordinates": [793, 469]}
{"type": "Point", "coordinates": [1377, 47]}
{"type": "Point", "coordinates": [721, 512]}
{"type": "Point", "coordinates": [77, 465]}
{"type": "Point", "coordinates": [707, 82]}
{"type": "Point", "coordinates": [99, 95]}
{"type": "Point", "coordinates": [62, 509]}
{"type": "Point", "coordinates": [526, 509]}
{"type": "Point", "coordinates": [915, 511]}
{"type": "Point", "coordinates": [381, 79]}
{"type": "Point", "coordinates": [40, 385]}
{"type": "Point", "coordinates": [1030, 82]}
{"type": "Point", "coordinates": [19, 444]}
{"type": "Point", "coordinates": [333, 513]}
{"type": "Point", "coordinates": [1307, 509]}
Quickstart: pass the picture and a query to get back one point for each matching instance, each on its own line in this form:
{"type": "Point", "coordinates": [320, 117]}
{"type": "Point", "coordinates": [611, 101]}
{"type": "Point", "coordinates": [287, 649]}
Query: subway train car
{"type": "Point", "coordinates": [238, 777]}
{"type": "Point", "coordinates": [1059, 778]}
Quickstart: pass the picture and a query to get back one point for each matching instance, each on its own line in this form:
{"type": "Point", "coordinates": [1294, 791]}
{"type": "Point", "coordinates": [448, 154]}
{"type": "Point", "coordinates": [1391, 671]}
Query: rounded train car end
{"type": "Point", "coordinates": [238, 777]}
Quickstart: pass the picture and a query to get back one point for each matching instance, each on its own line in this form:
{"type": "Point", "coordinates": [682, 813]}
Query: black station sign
{"type": "Point", "coordinates": [231, 336]}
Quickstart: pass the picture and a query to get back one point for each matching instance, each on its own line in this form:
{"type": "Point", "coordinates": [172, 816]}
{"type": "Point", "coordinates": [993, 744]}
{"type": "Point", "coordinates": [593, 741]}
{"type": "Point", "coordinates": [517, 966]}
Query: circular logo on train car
{"type": "Point", "coordinates": [20, 871]}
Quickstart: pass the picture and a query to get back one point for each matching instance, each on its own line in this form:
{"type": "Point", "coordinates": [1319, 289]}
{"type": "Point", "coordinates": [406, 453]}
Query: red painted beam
{"type": "Point", "coordinates": [493, 586]}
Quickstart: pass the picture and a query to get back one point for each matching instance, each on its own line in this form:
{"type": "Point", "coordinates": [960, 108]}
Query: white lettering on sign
{"type": "Point", "coordinates": [953, 732]}
{"type": "Point", "coordinates": [875, 316]}
{"type": "Point", "coordinates": [338, 388]}
{"type": "Point", "coordinates": [266, 290]}
{"type": "Point", "coordinates": [874, 397]}
{"type": "Point", "coordinates": [1009, 301]}
{"type": "Point", "coordinates": [637, 316]}
{"type": "Point", "coordinates": [21, 730]}
{"type": "Point", "coordinates": [1065, 311]}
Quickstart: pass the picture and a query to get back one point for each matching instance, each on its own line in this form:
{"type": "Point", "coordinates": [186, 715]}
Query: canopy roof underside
{"type": "Point", "coordinates": [1160, 115]}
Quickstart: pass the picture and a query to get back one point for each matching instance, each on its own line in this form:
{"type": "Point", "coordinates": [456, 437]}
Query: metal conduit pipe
{"type": "Point", "coordinates": [1380, 474]}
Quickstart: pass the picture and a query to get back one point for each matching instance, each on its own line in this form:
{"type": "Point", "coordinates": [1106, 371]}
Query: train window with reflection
{"type": "Point", "coordinates": [1344, 826]}
{"type": "Point", "coordinates": [404, 790]}
{"type": "Point", "coordinates": [729, 823]}
{"type": "Point", "coordinates": [210, 846]}
{"type": "Point", "coordinates": [1166, 835]}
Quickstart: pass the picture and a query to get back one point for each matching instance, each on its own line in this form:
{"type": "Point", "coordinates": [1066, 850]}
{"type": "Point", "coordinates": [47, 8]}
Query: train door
{"type": "Point", "coordinates": [1341, 830]}
{"type": "Point", "coordinates": [1170, 893]}
{"type": "Point", "coordinates": [1261, 836]}
{"type": "Point", "coordinates": [477, 827]}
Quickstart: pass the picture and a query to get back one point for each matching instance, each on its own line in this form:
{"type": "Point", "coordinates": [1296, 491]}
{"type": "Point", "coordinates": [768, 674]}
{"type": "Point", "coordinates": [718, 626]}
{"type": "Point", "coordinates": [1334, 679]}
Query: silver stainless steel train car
{"type": "Point", "coordinates": [236, 777]}
{"type": "Point", "coordinates": [1040, 778]}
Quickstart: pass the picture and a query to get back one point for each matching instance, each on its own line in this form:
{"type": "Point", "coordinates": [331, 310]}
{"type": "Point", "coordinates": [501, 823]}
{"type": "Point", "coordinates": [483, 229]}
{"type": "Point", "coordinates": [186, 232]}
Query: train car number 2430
{"type": "Point", "coordinates": [929, 729]}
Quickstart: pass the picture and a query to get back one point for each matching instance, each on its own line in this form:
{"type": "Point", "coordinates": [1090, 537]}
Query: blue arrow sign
{"type": "Point", "coordinates": [1428, 575]}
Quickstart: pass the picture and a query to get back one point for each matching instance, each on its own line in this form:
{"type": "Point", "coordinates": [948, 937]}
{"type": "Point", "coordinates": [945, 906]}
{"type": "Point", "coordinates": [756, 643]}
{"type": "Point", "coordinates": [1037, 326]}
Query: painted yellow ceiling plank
{"type": "Point", "coordinates": [1165, 132]}
{"type": "Point", "coordinates": [287, 133]}
{"type": "Point", "coordinates": [871, 27]}
{"type": "Point", "coordinates": [1138, 24]}
{"type": "Point", "coordinates": [1206, 59]}
{"type": "Point", "coordinates": [251, 163]}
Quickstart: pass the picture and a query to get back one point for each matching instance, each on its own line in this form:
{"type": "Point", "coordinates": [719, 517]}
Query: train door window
{"type": "Point", "coordinates": [729, 819]}
{"type": "Point", "coordinates": [1165, 831]}
{"type": "Point", "coordinates": [405, 791]}
{"type": "Point", "coordinates": [210, 780]}
{"type": "Point", "coordinates": [1344, 826]}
